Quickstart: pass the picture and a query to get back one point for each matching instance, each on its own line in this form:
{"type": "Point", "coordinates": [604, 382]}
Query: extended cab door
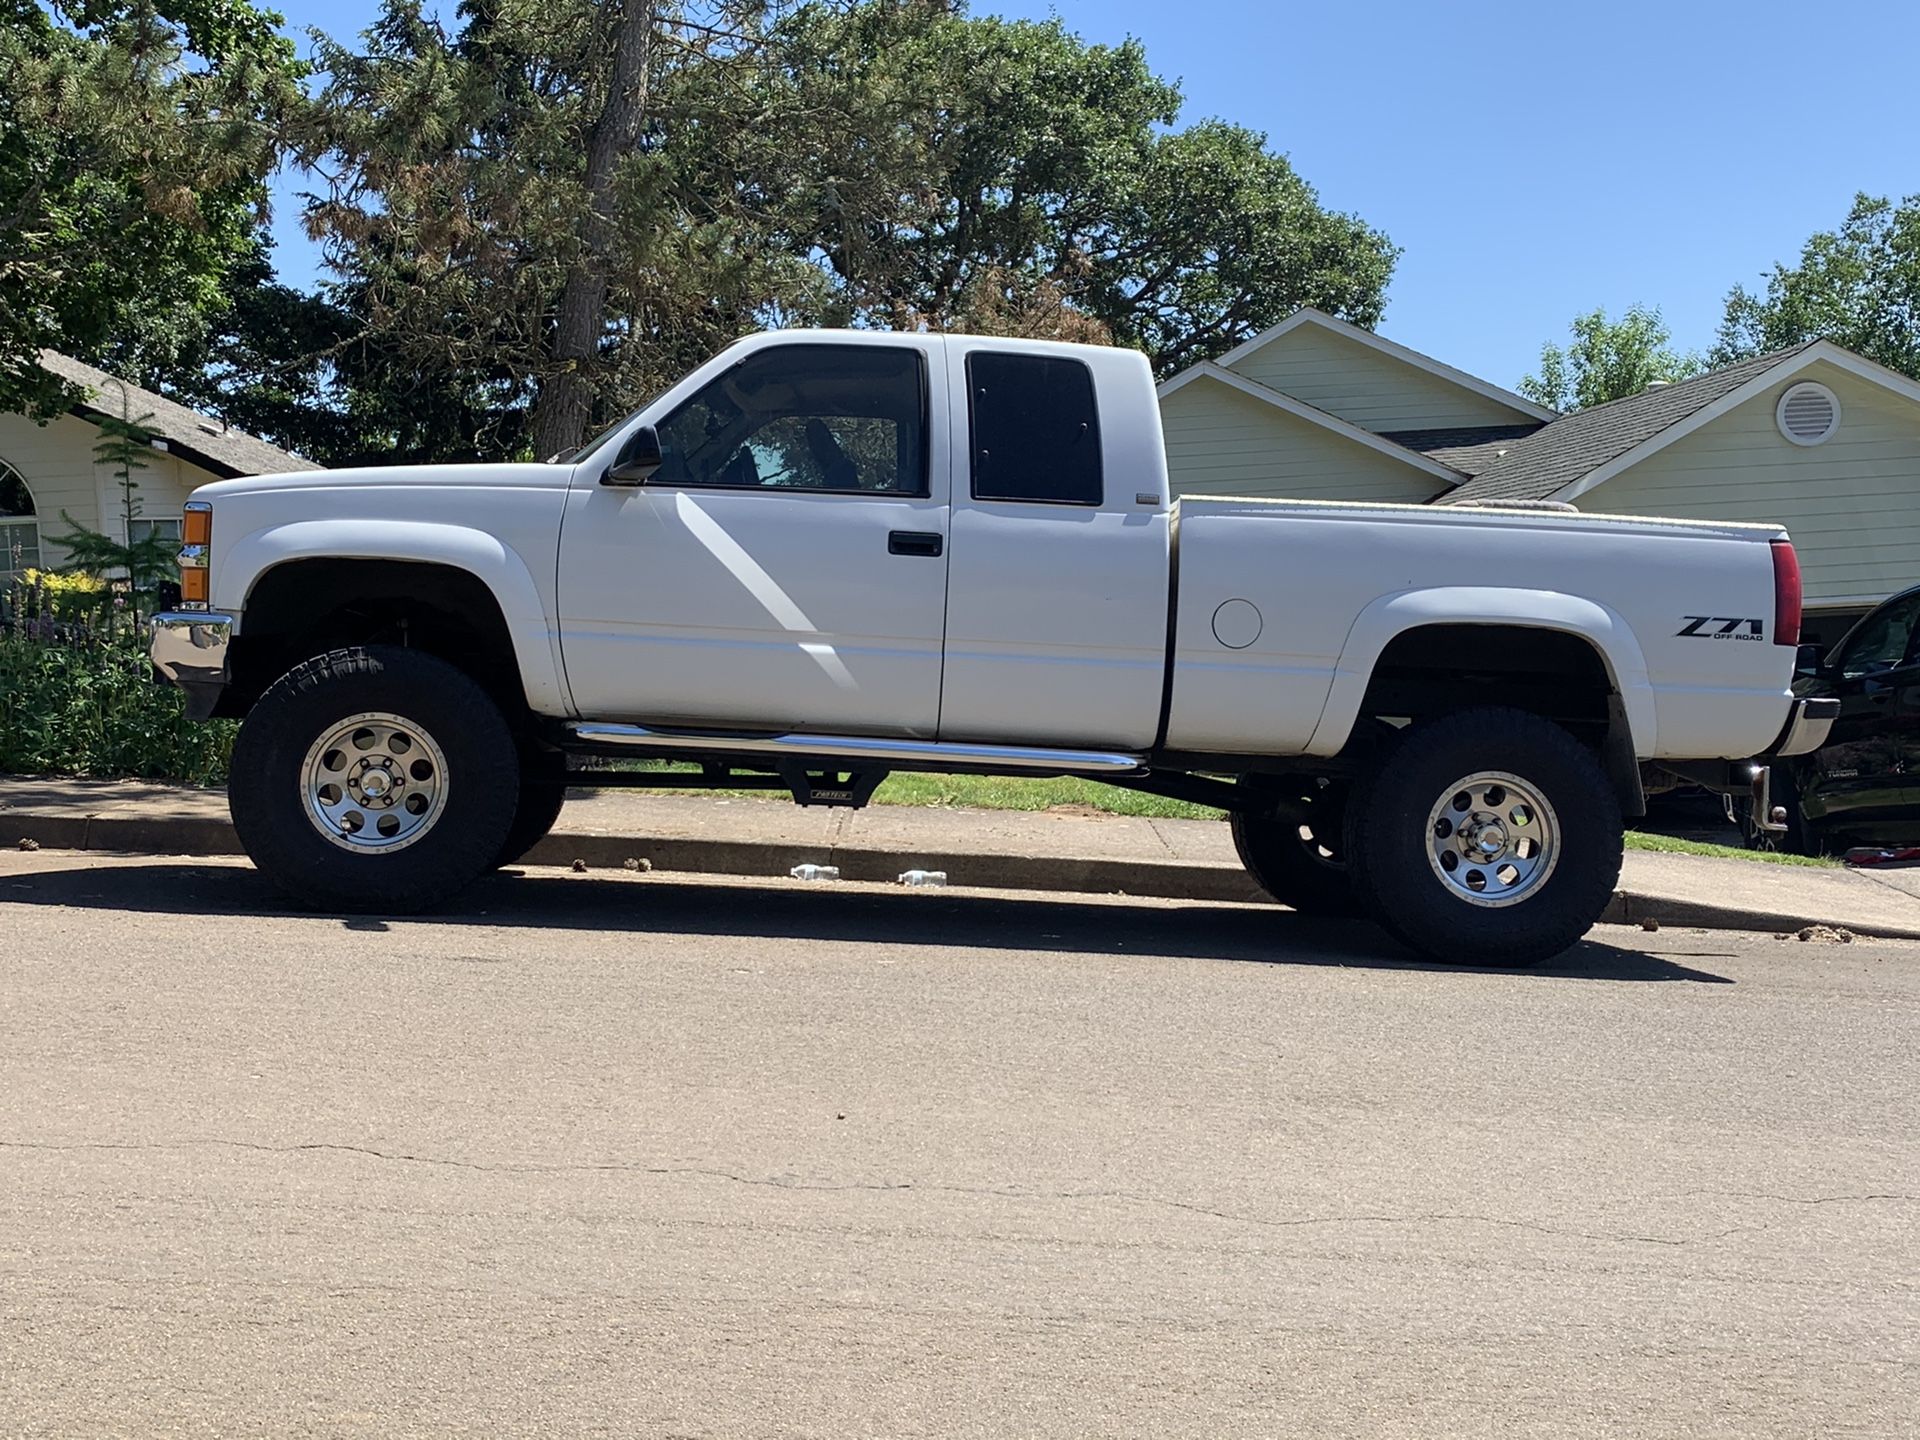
{"type": "Point", "coordinates": [1058, 583]}
{"type": "Point", "coordinates": [786, 566]}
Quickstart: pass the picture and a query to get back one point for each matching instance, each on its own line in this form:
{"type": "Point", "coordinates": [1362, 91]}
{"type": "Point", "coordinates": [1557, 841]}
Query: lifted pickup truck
{"type": "Point", "coordinates": [828, 555]}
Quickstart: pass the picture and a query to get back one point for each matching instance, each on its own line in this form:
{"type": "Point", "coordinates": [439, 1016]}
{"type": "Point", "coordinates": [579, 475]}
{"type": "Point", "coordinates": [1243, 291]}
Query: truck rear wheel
{"type": "Point", "coordinates": [374, 779]}
{"type": "Point", "coordinates": [1489, 837]}
{"type": "Point", "coordinates": [1295, 844]}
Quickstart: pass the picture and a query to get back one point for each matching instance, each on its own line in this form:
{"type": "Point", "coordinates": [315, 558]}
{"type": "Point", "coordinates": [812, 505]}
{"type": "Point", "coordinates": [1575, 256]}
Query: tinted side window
{"type": "Point", "coordinates": [1882, 641]}
{"type": "Point", "coordinates": [1036, 433]}
{"type": "Point", "coordinates": [804, 417]}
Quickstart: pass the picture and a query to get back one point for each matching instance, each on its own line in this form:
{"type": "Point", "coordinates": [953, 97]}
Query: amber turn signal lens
{"type": "Point", "coordinates": [193, 586]}
{"type": "Point", "coordinates": [196, 527]}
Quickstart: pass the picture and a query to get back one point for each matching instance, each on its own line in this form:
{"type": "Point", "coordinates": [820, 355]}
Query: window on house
{"type": "Point", "coordinates": [19, 525]}
{"type": "Point", "coordinates": [168, 530]}
{"type": "Point", "coordinates": [1036, 430]}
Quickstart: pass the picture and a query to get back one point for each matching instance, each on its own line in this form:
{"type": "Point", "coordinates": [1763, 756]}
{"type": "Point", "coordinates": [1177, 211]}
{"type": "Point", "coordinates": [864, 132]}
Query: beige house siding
{"type": "Point", "coordinates": [57, 463]}
{"type": "Point", "coordinates": [1377, 392]}
{"type": "Point", "coordinates": [1852, 504]}
{"type": "Point", "coordinates": [1220, 442]}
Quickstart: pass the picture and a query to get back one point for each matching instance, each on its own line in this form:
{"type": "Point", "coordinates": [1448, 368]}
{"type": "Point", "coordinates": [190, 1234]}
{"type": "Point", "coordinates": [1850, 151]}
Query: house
{"type": "Point", "coordinates": [47, 470]}
{"type": "Point", "coordinates": [1815, 438]}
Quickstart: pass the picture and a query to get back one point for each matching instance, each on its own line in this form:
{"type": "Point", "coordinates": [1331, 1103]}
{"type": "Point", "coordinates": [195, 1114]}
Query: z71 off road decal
{"type": "Point", "coordinates": [1700, 627]}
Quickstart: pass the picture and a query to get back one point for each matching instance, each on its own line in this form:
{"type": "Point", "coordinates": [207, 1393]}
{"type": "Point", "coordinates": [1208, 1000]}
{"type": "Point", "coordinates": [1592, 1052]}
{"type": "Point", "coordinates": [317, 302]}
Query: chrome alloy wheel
{"type": "Point", "coordinates": [374, 783]}
{"type": "Point", "coordinates": [1492, 839]}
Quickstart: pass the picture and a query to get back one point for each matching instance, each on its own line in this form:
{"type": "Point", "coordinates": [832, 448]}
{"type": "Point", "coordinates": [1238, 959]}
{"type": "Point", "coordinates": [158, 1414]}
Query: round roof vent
{"type": "Point", "coordinates": [1808, 413]}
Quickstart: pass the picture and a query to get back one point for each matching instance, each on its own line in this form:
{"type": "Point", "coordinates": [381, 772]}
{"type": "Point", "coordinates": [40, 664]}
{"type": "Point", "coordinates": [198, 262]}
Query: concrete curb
{"type": "Point", "coordinates": [1170, 880]}
{"type": "Point", "coordinates": [1166, 879]}
{"type": "Point", "coordinates": [1631, 908]}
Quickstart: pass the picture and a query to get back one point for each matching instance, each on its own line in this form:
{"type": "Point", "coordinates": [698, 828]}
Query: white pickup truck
{"type": "Point", "coordinates": [827, 555]}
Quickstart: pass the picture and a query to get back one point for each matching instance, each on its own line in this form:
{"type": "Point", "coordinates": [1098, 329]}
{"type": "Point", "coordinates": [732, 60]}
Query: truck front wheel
{"type": "Point", "coordinates": [1294, 844]}
{"type": "Point", "coordinates": [543, 791]}
{"type": "Point", "coordinates": [374, 779]}
{"type": "Point", "coordinates": [1489, 837]}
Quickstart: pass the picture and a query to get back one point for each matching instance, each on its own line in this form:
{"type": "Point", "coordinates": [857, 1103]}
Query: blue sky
{"type": "Point", "coordinates": [1532, 160]}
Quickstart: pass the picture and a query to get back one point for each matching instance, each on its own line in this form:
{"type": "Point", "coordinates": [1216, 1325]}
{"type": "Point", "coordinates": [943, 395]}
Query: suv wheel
{"type": "Point", "coordinates": [1489, 837]}
{"type": "Point", "coordinates": [374, 779]}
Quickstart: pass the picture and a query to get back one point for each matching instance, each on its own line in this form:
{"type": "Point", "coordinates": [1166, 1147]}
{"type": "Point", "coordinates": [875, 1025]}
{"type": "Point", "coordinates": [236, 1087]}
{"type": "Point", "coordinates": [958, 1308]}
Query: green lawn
{"type": "Point", "coordinates": [996, 792]}
{"type": "Point", "coordinates": [999, 792]}
{"type": "Point", "coordinates": [1667, 845]}
{"type": "Point", "coordinates": [992, 792]}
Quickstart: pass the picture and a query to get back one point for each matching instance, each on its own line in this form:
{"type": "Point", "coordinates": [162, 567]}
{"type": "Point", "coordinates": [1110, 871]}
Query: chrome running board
{"type": "Point", "coordinates": [858, 747]}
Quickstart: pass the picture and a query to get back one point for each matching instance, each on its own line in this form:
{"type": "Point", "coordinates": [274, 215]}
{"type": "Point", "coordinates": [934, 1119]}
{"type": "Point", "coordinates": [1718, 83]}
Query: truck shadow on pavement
{"type": "Point", "coordinates": [783, 910]}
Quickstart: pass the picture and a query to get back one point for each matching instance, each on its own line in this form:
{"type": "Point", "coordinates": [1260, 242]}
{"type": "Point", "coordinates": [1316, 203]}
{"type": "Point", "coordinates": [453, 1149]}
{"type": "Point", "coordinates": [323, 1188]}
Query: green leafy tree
{"type": "Point", "coordinates": [1858, 286]}
{"type": "Point", "coordinates": [1608, 360]}
{"type": "Point", "coordinates": [979, 173]}
{"type": "Point", "coordinates": [1217, 239]}
{"type": "Point", "coordinates": [135, 136]}
{"type": "Point", "coordinates": [553, 208]}
{"type": "Point", "coordinates": [306, 372]}
{"type": "Point", "coordinates": [537, 211]}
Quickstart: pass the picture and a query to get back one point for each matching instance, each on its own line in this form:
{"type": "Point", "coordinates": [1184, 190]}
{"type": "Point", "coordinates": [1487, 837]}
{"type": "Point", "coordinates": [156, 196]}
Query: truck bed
{"type": "Point", "coordinates": [1284, 607]}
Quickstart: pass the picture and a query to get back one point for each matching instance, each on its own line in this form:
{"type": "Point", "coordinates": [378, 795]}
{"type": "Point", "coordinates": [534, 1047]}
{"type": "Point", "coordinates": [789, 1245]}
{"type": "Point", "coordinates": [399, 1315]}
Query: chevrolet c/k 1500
{"type": "Point", "coordinates": [824, 556]}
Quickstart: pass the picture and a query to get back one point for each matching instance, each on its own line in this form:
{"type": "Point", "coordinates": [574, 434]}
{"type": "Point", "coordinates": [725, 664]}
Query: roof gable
{"type": "Point", "coordinates": [198, 438]}
{"type": "Point", "coordinates": [1299, 409]}
{"type": "Point", "coordinates": [1589, 447]}
{"type": "Point", "coordinates": [1351, 372]}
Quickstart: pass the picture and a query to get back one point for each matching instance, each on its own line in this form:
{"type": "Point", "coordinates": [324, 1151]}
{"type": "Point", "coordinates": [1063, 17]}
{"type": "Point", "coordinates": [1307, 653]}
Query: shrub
{"type": "Point", "coordinates": [72, 608]}
{"type": "Point", "coordinates": [86, 707]}
{"type": "Point", "coordinates": [67, 595]}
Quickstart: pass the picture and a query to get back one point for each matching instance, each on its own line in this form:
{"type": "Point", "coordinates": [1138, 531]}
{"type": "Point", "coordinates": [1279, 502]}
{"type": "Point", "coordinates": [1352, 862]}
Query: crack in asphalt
{"type": "Point", "coordinates": [778, 1182]}
{"type": "Point", "coordinates": [1788, 1199]}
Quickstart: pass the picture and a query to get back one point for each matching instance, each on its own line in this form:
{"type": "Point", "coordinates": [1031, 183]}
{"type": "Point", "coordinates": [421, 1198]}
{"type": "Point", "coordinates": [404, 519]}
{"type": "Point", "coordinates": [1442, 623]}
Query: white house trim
{"type": "Point", "coordinates": [1213, 370]}
{"type": "Point", "coordinates": [1789, 366]}
{"type": "Point", "coordinates": [1310, 316]}
{"type": "Point", "coordinates": [10, 523]}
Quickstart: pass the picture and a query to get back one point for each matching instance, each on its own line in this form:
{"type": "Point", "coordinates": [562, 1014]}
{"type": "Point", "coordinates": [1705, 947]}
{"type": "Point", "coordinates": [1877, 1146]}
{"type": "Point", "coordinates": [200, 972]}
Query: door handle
{"type": "Point", "coordinates": [914, 542]}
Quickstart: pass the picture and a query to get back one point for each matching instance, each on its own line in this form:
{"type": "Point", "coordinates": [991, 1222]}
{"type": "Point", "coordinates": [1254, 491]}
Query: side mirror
{"type": "Point", "coordinates": [637, 460]}
{"type": "Point", "coordinates": [1809, 661]}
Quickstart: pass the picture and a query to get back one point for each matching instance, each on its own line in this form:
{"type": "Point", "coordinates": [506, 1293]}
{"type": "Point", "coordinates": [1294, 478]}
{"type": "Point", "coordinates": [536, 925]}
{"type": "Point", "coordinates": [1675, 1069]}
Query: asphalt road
{"type": "Point", "coordinates": [625, 1155]}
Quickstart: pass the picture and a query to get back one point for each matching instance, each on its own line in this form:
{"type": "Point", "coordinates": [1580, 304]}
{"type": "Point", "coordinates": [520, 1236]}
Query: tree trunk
{"type": "Point", "coordinates": [565, 404]}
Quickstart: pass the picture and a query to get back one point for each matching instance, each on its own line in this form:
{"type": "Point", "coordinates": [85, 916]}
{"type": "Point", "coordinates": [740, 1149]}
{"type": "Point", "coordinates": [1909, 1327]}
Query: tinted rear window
{"type": "Point", "coordinates": [1036, 432]}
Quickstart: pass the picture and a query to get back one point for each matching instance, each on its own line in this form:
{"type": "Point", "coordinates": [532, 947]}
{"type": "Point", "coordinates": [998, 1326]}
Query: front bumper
{"type": "Point", "coordinates": [189, 649]}
{"type": "Point", "coordinates": [1807, 725]}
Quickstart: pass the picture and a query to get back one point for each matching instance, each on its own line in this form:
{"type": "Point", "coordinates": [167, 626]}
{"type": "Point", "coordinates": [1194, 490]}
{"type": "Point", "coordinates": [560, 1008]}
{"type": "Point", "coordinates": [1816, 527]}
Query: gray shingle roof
{"type": "Point", "coordinates": [1468, 448]}
{"type": "Point", "coordinates": [201, 439]}
{"type": "Point", "coordinates": [1559, 453]}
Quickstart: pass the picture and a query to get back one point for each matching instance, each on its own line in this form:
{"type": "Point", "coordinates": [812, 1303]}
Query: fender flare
{"type": "Point", "coordinates": [485, 557]}
{"type": "Point", "coordinates": [1385, 619]}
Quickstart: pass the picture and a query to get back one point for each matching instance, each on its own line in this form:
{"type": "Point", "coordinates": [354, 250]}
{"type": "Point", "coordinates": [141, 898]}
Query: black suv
{"type": "Point", "coordinates": [1863, 786]}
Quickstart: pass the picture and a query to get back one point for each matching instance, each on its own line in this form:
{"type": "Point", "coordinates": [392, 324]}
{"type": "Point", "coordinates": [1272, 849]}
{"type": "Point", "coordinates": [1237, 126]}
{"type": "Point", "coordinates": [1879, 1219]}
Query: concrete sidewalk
{"type": "Point", "coordinates": [1000, 849]}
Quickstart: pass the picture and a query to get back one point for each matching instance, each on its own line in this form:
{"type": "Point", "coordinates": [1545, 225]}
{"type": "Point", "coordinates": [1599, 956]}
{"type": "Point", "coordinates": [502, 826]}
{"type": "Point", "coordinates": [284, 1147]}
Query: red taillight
{"type": "Point", "coordinates": [1786, 594]}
